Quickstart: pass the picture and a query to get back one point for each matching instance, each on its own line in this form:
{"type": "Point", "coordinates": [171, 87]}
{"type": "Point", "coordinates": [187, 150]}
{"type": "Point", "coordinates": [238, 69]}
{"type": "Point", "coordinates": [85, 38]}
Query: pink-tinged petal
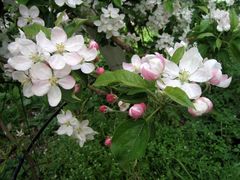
{"type": "Point", "coordinates": [128, 67]}
{"type": "Point", "coordinates": [33, 12]}
{"type": "Point", "coordinates": [72, 58]}
{"type": "Point", "coordinates": [22, 22]}
{"type": "Point", "coordinates": [212, 64]}
{"type": "Point", "coordinates": [60, 2]}
{"type": "Point", "coordinates": [68, 115]}
{"type": "Point", "coordinates": [74, 43]}
{"type": "Point", "coordinates": [136, 60]}
{"type": "Point", "coordinates": [58, 35]}
{"type": "Point", "coordinates": [225, 81]}
{"type": "Point", "coordinates": [45, 43]}
{"type": "Point", "coordinates": [216, 76]}
{"type": "Point", "coordinates": [54, 96]}
{"type": "Point", "coordinates": [147, 73]}
{"type": "Point", "coordinates": [193, 90]}
{"type": "Point", "coordinates": [23, 10]}
{"type": "Point", "coordinates": [57, 61]}
{"type": "Point", "coordinates": [41, 71]}
{"type": "Point", "coordinates": [41, 87]}
{"type": "Point", "coordinates": [67, 82]}
{"type": "Point", "coordinates": [38, 21]}
{"type": "Point", "coordinates": [19, 76]}
{"type": "Point", "coordinates": [191, 60]}
{"type": "Point", "coordinates": [88, 54]}
{"type": "Point", "coordinates": [208, 102]}
{"type": "Point", "coordinates": [62, 72]}
{"type": "Point", "coordinates": [171, 70]}
{"type": "Point", "coordinates": [62, 119]}
{"type": "Point", "coordinates": [201, 75]}
{"type": "Point", "coordinates": [27, 89]}
{"type": "Point", "coordinates": [20, 63]}
{"type": "Point", "coordinates": [87, 68]}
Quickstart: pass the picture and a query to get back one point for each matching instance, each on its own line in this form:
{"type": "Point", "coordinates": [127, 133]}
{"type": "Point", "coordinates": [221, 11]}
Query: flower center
{"type": "Point", "coordinates": [60, 48]}
{"type": "Point", "coordinates": [37, 58]}
{"type": "Point", "coordinates": [30, 20]}
{"type": "Point", "coordinates": [183, 76]}
{"type": "Point", "coordinates": [53, 81]}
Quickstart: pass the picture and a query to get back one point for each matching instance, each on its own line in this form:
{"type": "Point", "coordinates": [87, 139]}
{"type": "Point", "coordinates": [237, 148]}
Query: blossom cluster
{"type": "Point", "coordinates": [191, 71]}
{"type": "Point", "coordinates": [42, 65]}
{"type": "Point", "coordinates": [69, 125]}
{"type": "Point", "coordinates": [110, 21]}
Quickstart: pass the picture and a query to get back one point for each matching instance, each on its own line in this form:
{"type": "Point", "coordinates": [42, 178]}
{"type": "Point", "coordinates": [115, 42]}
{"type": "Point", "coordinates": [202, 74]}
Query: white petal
{"type": "Point", "coordinates": [60, 2]}
{"type": "Point", "coordinates": [22, 22]}
{"type": "Point", "coordinates": [62, 72]}
{"type": "Point", "coordinates": [225, 83]}
{"type": "Point", "coordinates": [20, 63]}
{"type": "Point", "coordinates": [54, 96]}
{"type": "Point", "coordinates": [136, 60]}
{"type": "Point", "coordinates": [40, 88]}
{"type": "Point", "coordinates": [28, 49]}
{"type": "Point", "coordinates": [33, 12]}
{"type": "Point", "coordinates": [201, 75]}
{"type": "Point", "coordinates": [39, 21]}
{"type": "Point", "coordinates": [57, 61]}
{"type": "Point", "coordinates": [61, 130]}
{"type": "Point", "coordinates": [191, 60]}
{"type": "Point", "coordinates": [41, 71]}
{"type": "Point", "coordinates": [192, 90]}
{"type": "Point", "coordinates": [128, 67]}
{"type": "Point", "coordinates": [27, 89]}
{"type": "Point", "coordinates": [19, 76]}
{"type": "Point", "coordinates": [74, 43]}
{"type": "Point", "coordinates": [45, 43]}
{"type": "Point", "coordinates": [171, 70]}
{"type": "Point", "coordinates": [67, 82]}
{"type": "Point", "coordinates": [23, 10]}
{"type": "Point", "coordinates": [69, 130]}
{"type": "Point", "coordinates": [88, 54]}
{"type": "Point", "coordinates": [212, 64]}
{"type": "Point", "coordinates": [58, 35]}
{"type": "Point", "coordinates": [72, 58]}
{"type": "Point", "coordinates": [87, 68]}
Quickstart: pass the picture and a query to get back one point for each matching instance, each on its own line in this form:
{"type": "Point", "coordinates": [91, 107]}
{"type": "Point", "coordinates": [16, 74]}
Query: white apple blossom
{"type": "Point", "coordinates": [190, 71]}
{"type": "Point", "coordinates": [63, 50]}
{"type": "Point", "coordinates": [29, 16]}
{"type": "Point", "coordinates": [134, 66]}
{"type": "Point", "coordinates": [63, 17]}
{"type": "Point", "coordinates": [25, 80]}
{"type": "Point", "coordinates": [70, 3]}
{"type": "Point", "coordinates": [46, 82]}
{"type": "Point", "coordinates": [165, 40]}
{"type": "Point", "coordinates": [171, 50]}
{"type": "Point", "coordinates": [83, 133]}
{"type": "Point", "coordinates": [222, 18]}
{"type": "Point", "coordinates": [110, 21]}
{"type": "Point", "coordinates": [67, 123]}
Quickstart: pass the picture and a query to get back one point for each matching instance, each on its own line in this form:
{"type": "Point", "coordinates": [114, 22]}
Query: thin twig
{"type": "Point", "coordinates": [18, 168]}
{"type": "Point", "coordinates": [98, 91]}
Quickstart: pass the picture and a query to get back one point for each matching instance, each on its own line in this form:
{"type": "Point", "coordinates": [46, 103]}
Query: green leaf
{"type": "Point", "coordinates": [233, 19]}
{"type": "Point", "coordinates": [32, 30]}
{"type": "Point", "coordinates": [118, 3]}
{"type": "Point", "coordinates": [218, 43]}
{"type": "Point", "coordinates": [74, 26]}
{"type": "Point", "coordinates": [204, 24]}
{"type": "Point", "coordinates": [130, 140]}
{"type": "Point", "coordinates": [168, 6]}
{"type": "Point", "coordinates": [178, 95]}
{"type": "Point", "coordinates": [124, 77]}
{"type": "Point", "coordinates": [207, 34]}
{"type": "Point", "coordinates": [203, 8]}
{"type": "Point", "coordinates": [178, 54]}
{"type": "Point", "coordinates": [22, 1]}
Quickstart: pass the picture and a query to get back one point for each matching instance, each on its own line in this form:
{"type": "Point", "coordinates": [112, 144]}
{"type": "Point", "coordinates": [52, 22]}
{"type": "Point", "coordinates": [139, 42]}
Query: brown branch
{"type": "Point", "coordinates": [122, 44]}
{"type": "Point", "coordinates": [98, 91]}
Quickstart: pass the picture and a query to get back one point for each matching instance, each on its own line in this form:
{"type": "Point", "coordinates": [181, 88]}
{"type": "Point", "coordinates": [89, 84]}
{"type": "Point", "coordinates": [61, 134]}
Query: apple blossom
{"type": "Point", "coordinates": [134, 66]}
{"type": "Point", "coordinates": [123, 106]}
{"type": "Point", "coordinates": [29, 16]}
{"type": "Point", "coordinates": [93, 45]}
{"type": "Point", "coordinates": [223, 19]}
{"type": "Point", "coordinates": [108, 141]}
{"type": "Point", "coordinates": [111, 98]}
{"type": "Point", "coordinates": [67, 123]}
{"type": "Point", "coordinates": [152, 66]}
{"type": "Point", "coordinates": [190, 71]}
{"type": "Point", "coordinates": [46, 82]}
{"type": "Point", "coordinates": [137, 110]}
{"type": "Point", "coordinates": [201, 105]}
{"type": "Point", "coordinates": [100, 70]}
{"type": "Point", "coordinates": [70, 3]}
{"type": "Point", "coordinates": [63, 50]}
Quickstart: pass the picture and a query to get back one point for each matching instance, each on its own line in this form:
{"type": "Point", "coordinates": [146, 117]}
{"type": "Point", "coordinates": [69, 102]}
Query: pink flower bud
{"type": "Point", "coordinates": [100, 70]}
{"type": "Point", "coordinates": [76, 88]}
{"type": "Point", "coordinates": [93, 45]}
{"type": "Point", "coordinates": [202, 106]}
{"type": "Point", "coordinates": [111, 98]}
{"type": "Point", "coordinates": [103, 108]}
{"type": "Point", "coordinates": [108, 141]}
{"type": "Point", "coordinates": [152, 67]}
{"type": "Point", "coordinates": [137, 110]}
